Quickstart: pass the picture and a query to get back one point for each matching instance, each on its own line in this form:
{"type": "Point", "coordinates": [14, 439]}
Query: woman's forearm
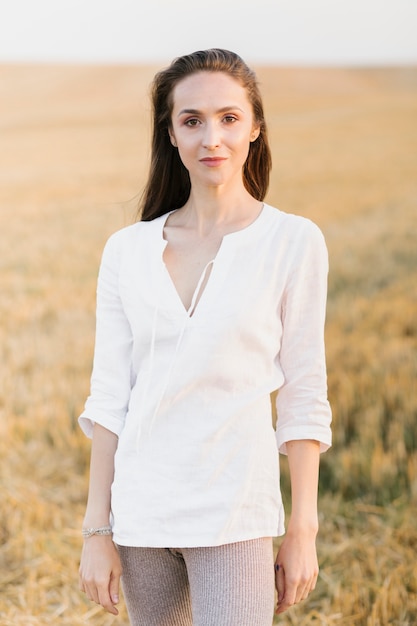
{"type": "Point", "coordinates": [103, 449]}
{"type": "Point", "coordinates": [303, 459]}
{"type": "Point", "coordinates": [296, 562]}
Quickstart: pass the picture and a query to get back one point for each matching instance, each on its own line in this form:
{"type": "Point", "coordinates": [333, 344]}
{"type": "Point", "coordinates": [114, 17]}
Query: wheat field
{"type": "Point", "coordinates": [74, 150]}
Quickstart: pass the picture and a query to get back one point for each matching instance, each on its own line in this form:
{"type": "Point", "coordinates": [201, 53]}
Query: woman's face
{"type": "Point", "coordinates": [212, 126]}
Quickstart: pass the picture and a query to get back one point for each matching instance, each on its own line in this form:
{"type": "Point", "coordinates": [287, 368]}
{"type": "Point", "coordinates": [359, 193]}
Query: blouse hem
{"type": "Point", "coordinates": [202, 543]}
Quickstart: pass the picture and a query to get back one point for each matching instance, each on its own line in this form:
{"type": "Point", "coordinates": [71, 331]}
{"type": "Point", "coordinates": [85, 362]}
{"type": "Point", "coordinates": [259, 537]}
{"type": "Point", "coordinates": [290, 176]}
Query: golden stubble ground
{"type": "Point", "coordinates": [73, 157]}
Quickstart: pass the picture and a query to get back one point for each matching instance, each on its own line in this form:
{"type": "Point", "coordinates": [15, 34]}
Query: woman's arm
{"type": "Point", "coordinates": [100, 568]}
{"type": "Point", "coordinates": [304, 415]}
{"type": "Point", "coordinates": [296, 562]}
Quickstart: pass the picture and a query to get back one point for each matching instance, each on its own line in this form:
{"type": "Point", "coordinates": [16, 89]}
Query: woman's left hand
{"type": "Point", "coordinates": [296, 569]}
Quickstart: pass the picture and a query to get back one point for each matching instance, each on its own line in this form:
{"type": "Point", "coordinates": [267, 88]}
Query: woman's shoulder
{"type": "Point", "coordinates": [292, 226]}
{"type": "Point", "coordinates": [136, 233]}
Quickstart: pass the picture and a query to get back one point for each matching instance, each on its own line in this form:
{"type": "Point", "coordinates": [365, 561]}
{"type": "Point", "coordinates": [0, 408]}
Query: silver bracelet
{"type": "Point", "coordinates": [103, 530]}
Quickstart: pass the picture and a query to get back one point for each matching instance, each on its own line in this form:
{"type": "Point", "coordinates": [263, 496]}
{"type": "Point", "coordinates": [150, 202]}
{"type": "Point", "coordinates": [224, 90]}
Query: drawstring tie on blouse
{"type": "Point", "coordinates": [187, 316]}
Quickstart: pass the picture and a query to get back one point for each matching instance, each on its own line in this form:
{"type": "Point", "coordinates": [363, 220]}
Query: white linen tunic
{"type": "Point", "coordinates": [189, 395]}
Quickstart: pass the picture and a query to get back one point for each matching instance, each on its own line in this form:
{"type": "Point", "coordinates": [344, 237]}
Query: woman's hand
{"type": "Point", "coordinates": [100, 572]}
{"type": "Point", "coordinates": [296, 569]}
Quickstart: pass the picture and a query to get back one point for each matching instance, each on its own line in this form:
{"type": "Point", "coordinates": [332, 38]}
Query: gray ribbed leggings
{"type": "Point", "coordinates": [228, 585]}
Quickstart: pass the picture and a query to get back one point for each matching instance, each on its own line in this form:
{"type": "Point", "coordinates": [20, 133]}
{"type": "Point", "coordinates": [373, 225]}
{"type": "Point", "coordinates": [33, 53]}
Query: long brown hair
{"type": "Point", "coordinates": [168, 185]}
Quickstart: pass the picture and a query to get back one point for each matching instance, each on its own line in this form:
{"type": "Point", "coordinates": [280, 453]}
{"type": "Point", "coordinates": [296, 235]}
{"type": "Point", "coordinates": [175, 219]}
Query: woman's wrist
{"type": "Point", "coordinates": [303, 525]}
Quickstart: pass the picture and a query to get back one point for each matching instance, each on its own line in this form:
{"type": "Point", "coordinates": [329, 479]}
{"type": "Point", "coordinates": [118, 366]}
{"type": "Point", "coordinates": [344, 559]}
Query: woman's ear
{"type": "Point", "coordinates": [172, 138]}
{"type": "Point", "coordinates": [255, 133]}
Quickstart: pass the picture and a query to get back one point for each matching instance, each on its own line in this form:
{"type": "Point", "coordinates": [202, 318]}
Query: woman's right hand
{"type": "Point", "coordinates": [100, 571]}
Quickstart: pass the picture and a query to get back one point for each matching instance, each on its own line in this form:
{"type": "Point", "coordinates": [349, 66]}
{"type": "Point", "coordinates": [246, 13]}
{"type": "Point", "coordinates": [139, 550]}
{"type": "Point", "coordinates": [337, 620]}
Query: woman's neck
{"type": "Point", "coordinates": [216, 209]}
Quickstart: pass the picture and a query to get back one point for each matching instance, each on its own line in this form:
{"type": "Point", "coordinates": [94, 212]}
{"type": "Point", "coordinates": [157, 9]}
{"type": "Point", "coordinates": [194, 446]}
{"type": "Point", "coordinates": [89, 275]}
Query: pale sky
{"type": "Point", "coordinates": [341, 32]}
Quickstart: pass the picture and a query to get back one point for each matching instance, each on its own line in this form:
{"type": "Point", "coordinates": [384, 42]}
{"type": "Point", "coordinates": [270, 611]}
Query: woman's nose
{"type": "Point", "coordinates": [211, 138]}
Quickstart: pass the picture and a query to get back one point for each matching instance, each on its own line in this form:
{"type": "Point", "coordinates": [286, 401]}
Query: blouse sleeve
{"type": "Point", "coordinates": [302, 406]}
{"type": "Point", "coordinates": [111, 377]}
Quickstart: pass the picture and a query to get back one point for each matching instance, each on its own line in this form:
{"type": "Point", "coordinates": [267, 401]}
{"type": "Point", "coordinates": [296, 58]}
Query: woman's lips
{"type": "Point", "coordinates": [213, 161]}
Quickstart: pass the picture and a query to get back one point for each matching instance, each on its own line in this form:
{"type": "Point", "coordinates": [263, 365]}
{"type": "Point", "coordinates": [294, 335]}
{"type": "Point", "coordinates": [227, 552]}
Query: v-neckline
{"type": "Point", "coordinates": [202, 285]}
{"type": "Point", "coordinates": [200, 290]}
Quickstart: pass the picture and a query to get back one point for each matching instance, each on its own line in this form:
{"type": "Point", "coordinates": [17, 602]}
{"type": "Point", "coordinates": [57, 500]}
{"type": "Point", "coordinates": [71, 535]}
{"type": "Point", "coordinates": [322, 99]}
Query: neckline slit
{"type": "Point", "coordinates": [200, 288]}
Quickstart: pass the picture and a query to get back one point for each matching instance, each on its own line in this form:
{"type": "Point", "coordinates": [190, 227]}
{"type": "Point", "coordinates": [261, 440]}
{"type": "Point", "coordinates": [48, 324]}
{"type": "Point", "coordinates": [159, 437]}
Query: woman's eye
{"type": "Point", "coordinates": [230, 119]}
{"type": "Point", "coordinates": [192, 122]}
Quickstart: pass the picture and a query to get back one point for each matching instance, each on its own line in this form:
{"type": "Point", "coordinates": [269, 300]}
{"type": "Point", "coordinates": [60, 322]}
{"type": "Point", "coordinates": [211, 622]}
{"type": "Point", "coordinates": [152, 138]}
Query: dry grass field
{"type": "Point", "coordinates": [73, 154]}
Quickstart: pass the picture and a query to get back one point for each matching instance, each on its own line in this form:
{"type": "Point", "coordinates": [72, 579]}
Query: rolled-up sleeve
{"type": "Point", "coordinates": [111, 376]}
{"type": "Point", "coordinates": [302, 406]}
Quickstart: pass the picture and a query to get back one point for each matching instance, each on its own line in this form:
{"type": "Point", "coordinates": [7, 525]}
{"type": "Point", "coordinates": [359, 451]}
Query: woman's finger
{"type": "Point", "coordinates": [287, 590]}
{"type": "Point", "coordinates": [280, 581]}
{"type": "Point", "coordinates": [114, 588]}
{"type": "Point", "coordinates": [106, 601]}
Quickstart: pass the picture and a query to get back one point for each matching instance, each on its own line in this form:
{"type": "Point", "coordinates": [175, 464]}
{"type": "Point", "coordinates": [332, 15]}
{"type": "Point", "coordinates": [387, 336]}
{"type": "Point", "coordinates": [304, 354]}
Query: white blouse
{"type": "Point", "coordinates": [189, 395]}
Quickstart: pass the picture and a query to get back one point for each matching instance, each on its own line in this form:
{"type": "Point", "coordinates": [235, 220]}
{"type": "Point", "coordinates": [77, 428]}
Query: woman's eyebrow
{"type": "Point", "coordinates": [222, 110]}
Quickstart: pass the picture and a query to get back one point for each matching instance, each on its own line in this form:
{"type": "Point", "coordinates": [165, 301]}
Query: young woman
{"type": "Point", "coordinates": [207, 305]}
